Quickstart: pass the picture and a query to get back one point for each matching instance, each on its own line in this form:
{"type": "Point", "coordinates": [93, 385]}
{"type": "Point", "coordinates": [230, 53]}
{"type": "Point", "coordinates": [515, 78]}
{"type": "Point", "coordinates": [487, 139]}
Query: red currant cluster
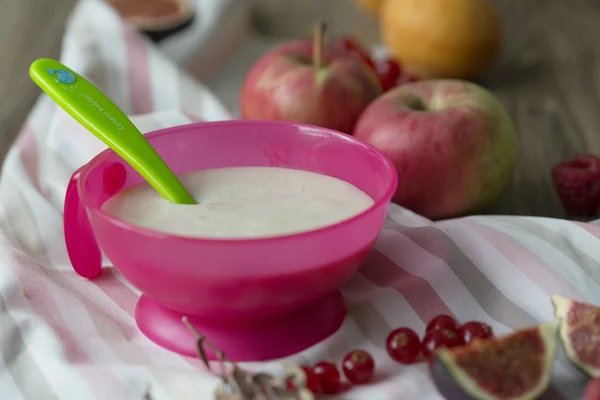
{"type": "Point", "coordinates": [405, 346]}
{"type": "Point", "coordinates": [390, 72]}
{"type": "Point", "coordinates": [358, 367]}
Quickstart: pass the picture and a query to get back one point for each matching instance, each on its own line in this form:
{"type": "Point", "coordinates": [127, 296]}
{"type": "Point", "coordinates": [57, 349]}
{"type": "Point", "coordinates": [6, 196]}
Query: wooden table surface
{"type": "Point", "coordinates": [548, 75]}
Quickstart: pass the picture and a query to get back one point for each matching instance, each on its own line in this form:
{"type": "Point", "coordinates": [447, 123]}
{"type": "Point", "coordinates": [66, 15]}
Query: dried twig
{"type": "Point", "coordinates": [147, 393]}
{"type": "Point", "coordinates": [203, 341]}
{"type": "Point", "coordinates": [240, 385]}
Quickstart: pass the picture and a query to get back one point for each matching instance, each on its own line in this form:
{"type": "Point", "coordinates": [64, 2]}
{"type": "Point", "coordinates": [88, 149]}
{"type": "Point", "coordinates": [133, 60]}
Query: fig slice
{"type": "Point", "coordinates": [580, 333]}
{"type": "Point", "coordinates": [157, 19]}
{"type": "Point", "coordinates": [516, 367]}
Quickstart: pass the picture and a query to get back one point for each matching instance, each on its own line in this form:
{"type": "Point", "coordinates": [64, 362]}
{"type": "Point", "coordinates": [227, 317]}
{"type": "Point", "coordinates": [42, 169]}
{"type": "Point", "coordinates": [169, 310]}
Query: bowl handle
{"type": "Point", "coordinates": [82, 247]}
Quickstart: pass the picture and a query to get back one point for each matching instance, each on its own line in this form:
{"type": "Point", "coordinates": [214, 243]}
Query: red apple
{"type": "Point", "coordinates": [310, 82]}
{"type": "Point", "coordinates": [452, 143]}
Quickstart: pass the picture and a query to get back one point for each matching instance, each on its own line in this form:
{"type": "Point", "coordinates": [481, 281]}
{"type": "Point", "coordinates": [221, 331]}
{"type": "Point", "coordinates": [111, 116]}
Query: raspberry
{"type": "Point", "coordinates": [577, 182]}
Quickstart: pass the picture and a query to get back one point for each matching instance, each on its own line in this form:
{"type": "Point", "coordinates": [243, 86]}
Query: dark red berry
{"type": "Point", "coordinates": [329, 377]}
{"type": "Point", "coordinates": [359, 367]}
{"type": "Point", "coordinates": [577, 183]}
{"type": "Point", "coordinates": [440, 338]}
{"type": "Point", "coordinates": [290, 385]}
{"type": "Point", "coordinates": [389, 71]}
{"type": "Point", "coordinates": [442, 321]}
{"type": "Point", "coordinates": [349, 44]}
{"type": "Point", "coordinates": [369, 61]}
{"type": "Point", "coordinates": [312, 381]}
{"type": "Point", "coordinates": [364, 57]}
{"type": "Point", "coordinates": [352, 47]}
{"type": "Point", "coordinates": [403, 345]}
{"type": "Point", "coordinates": [474, 329]}
{"type": "Point", "coordinates": [592, 391]}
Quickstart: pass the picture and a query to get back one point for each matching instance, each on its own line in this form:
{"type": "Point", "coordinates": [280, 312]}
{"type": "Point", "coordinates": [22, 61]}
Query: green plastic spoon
{"type": "Point", "coordinates": [96, 112]}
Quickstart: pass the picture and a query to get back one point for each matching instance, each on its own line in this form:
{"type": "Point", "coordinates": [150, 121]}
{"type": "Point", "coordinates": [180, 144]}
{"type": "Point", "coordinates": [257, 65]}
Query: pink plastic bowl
{"type": "Point", "coordinates": [255, 299]}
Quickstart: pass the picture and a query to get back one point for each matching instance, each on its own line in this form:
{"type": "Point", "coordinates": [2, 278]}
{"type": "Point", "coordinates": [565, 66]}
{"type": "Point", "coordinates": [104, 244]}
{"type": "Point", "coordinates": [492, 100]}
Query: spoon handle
{"type": "Point", "coordinates": [96, 112]}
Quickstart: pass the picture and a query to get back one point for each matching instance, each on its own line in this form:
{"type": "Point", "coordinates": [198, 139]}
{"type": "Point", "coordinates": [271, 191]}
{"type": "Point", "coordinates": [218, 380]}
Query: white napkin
{"type": "Point", "coordinates": [64, 337]}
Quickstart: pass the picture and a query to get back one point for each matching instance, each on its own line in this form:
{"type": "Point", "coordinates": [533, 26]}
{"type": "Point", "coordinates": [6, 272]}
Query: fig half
{"type": "Point", "coordinates": [580, 333]}
{"type": "Point", "coordinates": [157, 19]}
{"type": "Point", "coordinates": [516, 367]}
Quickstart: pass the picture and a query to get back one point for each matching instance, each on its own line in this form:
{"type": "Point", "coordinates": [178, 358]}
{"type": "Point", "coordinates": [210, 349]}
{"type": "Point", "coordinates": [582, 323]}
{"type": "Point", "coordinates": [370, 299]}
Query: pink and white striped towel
{"type": "Point", "coordinates": [63, 337]}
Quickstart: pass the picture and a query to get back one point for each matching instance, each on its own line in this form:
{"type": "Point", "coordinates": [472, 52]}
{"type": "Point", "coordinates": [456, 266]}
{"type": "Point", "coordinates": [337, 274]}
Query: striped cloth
{"type": "Point", "coordinates": [64, 337]}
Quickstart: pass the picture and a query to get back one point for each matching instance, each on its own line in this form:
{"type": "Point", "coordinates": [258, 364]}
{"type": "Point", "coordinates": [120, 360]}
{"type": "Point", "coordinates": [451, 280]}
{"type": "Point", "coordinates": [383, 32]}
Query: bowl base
{"type": "Point", "coordinates": [258, 340]}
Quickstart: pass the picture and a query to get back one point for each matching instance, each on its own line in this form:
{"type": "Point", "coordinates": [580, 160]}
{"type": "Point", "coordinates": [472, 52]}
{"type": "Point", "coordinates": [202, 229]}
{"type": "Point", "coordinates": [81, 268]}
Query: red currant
{"type": "Point", "coordinates": [389, 71]}
{"type": "Point", "coordinates": [312, 381]}
{"type": "Point", "coordinates": [442, 321]}
{"type": "Point", "coordinates": [440, 338]}
{"type": "Point", "coordinates": [474, 329]}
{"type": "Point", "coordinates": [329, 377]}
{"type": "Point", "coordinates": [359, 367]}
{"type": "Point", "coordinates": [403, 345]}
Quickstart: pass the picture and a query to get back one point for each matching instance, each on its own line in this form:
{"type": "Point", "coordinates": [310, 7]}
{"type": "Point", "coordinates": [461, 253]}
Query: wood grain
{"type": "Point", "coordinates": [548, 75]}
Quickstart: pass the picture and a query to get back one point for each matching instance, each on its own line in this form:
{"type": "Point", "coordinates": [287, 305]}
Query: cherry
{"type": "Point", "coordinates": [389, 72]}
{"type": "Point", "coordinates": [441, 321]}
{"type": "Point", "coordinates": [358, 366]}
{"type": "Point", "coordinates": [403, 345]}
{"type": "Point", "coordinates": [440, 338]}
{"type": "Point", "coordinates": [474, 329]}
{"type": "Point", "coordinates": [329, 377]}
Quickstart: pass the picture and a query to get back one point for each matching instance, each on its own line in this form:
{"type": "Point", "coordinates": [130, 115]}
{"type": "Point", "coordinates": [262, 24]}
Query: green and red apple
{"type": "Point", "coordinates": [452, 142]}
{"type": "Point", "coordinates": [309, 81]}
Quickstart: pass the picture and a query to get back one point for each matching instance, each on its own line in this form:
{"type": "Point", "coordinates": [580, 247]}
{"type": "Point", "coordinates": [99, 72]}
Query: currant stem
{"type": "Point", "coordinates": [203, 341]}
{"type": "Point", "coordinates": [318, 38]}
